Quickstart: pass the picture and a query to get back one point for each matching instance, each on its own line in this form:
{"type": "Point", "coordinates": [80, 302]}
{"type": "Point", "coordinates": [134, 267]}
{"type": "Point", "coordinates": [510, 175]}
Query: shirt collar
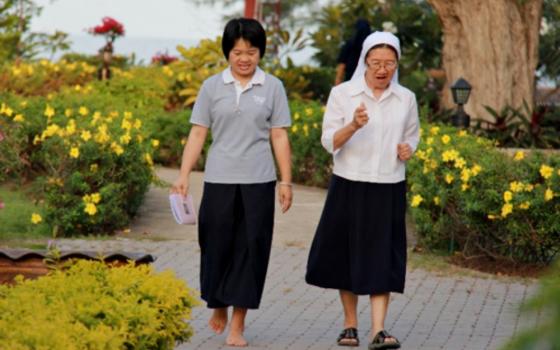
{"type": "Point", "coordinates": [358, 86]}
{"type": "Point", "coordinates": [257, 79]}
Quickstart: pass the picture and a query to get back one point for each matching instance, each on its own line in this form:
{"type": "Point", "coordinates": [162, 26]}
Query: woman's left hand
{"type": "Point", "coordinates": [285, 196]}
{"type": "Point", "coordinates": [404, 151]}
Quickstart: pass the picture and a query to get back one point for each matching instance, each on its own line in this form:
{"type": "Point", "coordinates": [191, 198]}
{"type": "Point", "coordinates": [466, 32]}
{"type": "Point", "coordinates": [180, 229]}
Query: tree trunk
{"type": "Point", "coordinates": [493, 44]}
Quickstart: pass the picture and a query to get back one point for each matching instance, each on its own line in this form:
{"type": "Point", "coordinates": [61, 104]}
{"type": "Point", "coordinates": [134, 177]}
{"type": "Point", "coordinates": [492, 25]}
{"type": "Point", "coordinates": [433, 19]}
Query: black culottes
{"type": "Point", "coordinates": [235, 237]}
{"type": "Point", "coordinates": [360, 243]}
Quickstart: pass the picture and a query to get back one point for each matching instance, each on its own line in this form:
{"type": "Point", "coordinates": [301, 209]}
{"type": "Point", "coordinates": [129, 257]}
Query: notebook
{"type": "Point", "coordinates": [182, 208]}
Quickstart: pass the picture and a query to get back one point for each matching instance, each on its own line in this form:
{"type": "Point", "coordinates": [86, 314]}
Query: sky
{"type": "Point", "coordinates": [150, 25]}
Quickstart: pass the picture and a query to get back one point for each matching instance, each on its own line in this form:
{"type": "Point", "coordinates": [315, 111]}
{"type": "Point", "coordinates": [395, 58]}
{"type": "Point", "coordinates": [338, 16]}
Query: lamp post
{"type": "Point", "coordinates": [461, 91]}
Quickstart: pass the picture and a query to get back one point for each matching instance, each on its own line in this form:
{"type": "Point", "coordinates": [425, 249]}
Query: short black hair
{"type": "Point", "coordinates": [243, 28]}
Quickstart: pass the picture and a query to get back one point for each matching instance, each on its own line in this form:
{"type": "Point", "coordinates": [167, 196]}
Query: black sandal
{"type": "Point", "coordinates": [378, 342]}
{"type": "Point", "coordinates": [348, 337]}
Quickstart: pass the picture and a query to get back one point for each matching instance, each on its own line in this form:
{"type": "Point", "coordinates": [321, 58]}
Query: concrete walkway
{"type": "Point", "coordinates": [435, 312]}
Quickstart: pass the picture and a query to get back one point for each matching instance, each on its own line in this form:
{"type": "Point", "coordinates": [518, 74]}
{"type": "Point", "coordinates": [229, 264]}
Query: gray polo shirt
{"type": "Point", "coordinates": [240, 150]}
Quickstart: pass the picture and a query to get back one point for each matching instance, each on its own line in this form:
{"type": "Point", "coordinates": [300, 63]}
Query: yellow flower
{"type": "Point", "coordinates": [519, 155]}
{"type": "Point", "coordinates": [491, 217]}
{"type": "Point", "coordinates": [91, 209]}
{"type": "Point", "coordinates": [548, 194]}
{"type": "Point", "coordinates": [309, 112]}
{"type": "Point", "coordinates": [148, 159]}
{"type": "Point", "coordinates": [429, 140]}
{"type": "Point", "coordinates": [83, 111]}
{"type": "Point", "coordinates": [524, 205]}
{"type": "Point", "coordinates": [529, 188]}
{"type": "Point", "coordinates": [460, 162]}
{"type": "Point", "coordinates": [117, 148]}
{"type": "Point", "coordinates": [445, 139]}
{"type": "Point", "coordinates": [68, 112]}
{"type": "Point", "coordinates": [137, 124]}
{"type": "Point", "coordinates": [19, 118]}
{"type": "Point", "coordinates": [436, 200]}
{"type": "Point", "coordinates": [306, 130]}
{"type": "Point", "coordinates": [507, 196]}
{"type": "Point", "coordinates": [316, 126]}
{"type": "Point", "coordinates": [465, 175]}
{"type": "Point", "coordinates": [449, 155]}
{"type": "Point", "coordinates": [294, 128]}
{"type": "Point", "coordinates": [516, 186]}
{"type": "Point", "coordinates": [464, 187]}
{"type": "Point", "coordinates": [49, 111]}
{"type": "Point", "coordinates": [296, 116]}
{"type": "Point", "coordinates": [96, 197]}
{"type": "Point", "coordinates": [86, 135]}
{"type": "Point", "coordinates": [71, 127]}
{"type": "Point", "coordinates": [36, 218]}
{"type": "Point", "coordinates": [449, 178]}
{"type": "Point", "coordinates": [126, 125]}
{"type": "Point", "coordinates": [127, 115]}
{"type": "Point", "coordinates": [93, 168]}
{"type": "Point", "coordinates": [546, 171]}
{"type": "Point", "coordinates": [507, 209]}
{"type": "Point", "coordinates": [476, 169]}
{"type": "Point", "coordinates": [462, 133]}
{"type": "Point", "coordinates": [434, 130]}
{"type": "Point", "coordinates": [183, 141]}
{"type": "Point", "coordinates": [416, 200]}
{"type": "Point", "coordinates": [155, 143]}
{"type": "Point", "coordinates": [74, 152]}
{"type": "Point", "coordinates": [125, 139]}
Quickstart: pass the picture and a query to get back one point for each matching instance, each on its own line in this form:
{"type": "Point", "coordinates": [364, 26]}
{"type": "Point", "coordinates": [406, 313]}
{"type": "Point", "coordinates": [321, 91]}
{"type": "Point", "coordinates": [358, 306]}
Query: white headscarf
{"type": "Point", "coordinates": [373, 39]}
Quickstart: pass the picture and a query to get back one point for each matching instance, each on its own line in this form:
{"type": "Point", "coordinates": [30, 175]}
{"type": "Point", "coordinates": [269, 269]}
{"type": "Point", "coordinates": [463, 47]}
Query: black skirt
{"type": "Point", "coordinates": [360, 243]}
{"type": "Point", "coordinates": [235, 237]}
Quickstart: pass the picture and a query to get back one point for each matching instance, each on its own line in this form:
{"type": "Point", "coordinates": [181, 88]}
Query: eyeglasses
{"type": "Point", "coordinates": [376, 65]}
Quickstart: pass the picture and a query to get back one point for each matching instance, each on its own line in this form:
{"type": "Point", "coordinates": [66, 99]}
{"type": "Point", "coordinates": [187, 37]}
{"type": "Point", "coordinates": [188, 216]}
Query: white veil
{"type": "Point", "coordinates": [373, 39]}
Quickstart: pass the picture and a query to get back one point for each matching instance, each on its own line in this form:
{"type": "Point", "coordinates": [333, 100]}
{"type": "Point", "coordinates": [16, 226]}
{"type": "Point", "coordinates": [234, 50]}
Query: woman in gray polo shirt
{"type": "Point", "coordinates": [247, 110]}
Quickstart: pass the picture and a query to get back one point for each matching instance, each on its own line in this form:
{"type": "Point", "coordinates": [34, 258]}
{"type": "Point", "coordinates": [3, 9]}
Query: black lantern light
{"type": "Point", "coordinates": [461, 91]}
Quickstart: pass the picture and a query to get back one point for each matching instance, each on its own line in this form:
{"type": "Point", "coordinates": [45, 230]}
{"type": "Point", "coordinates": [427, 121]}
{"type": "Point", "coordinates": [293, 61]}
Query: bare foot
{"type": "Point", "coordinates": [235, 338]}
{"type": "Point", "coordinates": [219, 320]}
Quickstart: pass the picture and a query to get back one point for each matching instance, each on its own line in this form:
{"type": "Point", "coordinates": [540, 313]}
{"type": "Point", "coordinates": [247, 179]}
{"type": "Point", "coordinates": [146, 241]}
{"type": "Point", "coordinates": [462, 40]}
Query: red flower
{"type": "Point", "coordinates": [163, 59]}
{"type": "Point", "coordinates": [110, 28]}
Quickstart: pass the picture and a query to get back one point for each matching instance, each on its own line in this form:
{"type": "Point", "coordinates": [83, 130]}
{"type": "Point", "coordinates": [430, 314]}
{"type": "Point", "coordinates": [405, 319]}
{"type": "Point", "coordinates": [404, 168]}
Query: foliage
{"type": "Point", "coordinates": [468, 196]}
{"type": "Point", "coordinates": [89, 305]}
{"type": "Point", "coordinates": [521, 128]}
{"type": "Point", "coordinates": [19, 204]}
{"type": "Point", "coordinates": [413, 22]}
{"type": "Point", "coordinates": [549, 42]}
{"type": "Point", "coordinates": [312, 165]}
{"type": "Point", "coordinates": [547, 301]}
{"type": "Point", "coordinates": [17, 41]}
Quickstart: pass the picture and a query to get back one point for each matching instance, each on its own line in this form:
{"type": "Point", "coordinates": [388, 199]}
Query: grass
{"type": "Point", "coordinates": [15, 217]}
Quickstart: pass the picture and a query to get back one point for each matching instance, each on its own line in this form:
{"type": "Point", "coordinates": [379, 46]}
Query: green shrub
{"type": "Point", "coordinates": [92, 306]}
{"type": "Point", "coordinates": [547, 301]}
{"type": "Point", "coordinates": [467, 195]}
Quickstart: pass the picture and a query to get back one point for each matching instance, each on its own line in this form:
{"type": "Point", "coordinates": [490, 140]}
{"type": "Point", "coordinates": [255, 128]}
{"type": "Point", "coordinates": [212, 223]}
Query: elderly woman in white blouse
{"type": "Point", "coordinates": [371, 127]}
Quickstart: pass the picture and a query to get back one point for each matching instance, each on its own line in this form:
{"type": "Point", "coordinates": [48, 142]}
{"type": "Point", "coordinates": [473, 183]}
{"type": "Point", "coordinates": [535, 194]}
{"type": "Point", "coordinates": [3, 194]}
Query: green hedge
{"type": "Point", "coordinates": [92, 306]}
{"type": "Point", "coordinates": [467, 195]}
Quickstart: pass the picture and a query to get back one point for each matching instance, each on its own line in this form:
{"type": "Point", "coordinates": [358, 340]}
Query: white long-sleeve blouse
{"type": "Point", "coordinates": [370, 155]}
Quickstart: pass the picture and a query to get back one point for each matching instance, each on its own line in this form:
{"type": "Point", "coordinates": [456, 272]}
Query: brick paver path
{"type": "Point", "coordinates": [435, 312]}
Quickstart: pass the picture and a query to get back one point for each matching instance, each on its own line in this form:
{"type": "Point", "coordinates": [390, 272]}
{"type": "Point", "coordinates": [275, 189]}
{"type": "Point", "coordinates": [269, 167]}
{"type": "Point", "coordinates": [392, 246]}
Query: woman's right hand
{"type": "Point", "coordinates": [181, 185]}
{"type": "Point", "coordinates": [360, 116]}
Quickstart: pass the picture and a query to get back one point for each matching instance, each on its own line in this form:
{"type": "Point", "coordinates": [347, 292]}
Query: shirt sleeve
{"type": "Point", "coordinates": [412, 128]}
{"type": "Point", "coordinates": [333, 120]}
{"type": "Point", "coordinates": [280, 109]}
{"type": "Point", "coordinates": [201, 111]}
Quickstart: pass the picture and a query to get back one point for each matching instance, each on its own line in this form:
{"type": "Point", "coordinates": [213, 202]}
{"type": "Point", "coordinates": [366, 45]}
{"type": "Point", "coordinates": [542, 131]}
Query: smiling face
{"type": "Point", "coordinates": [381, 64]}
{"type": "Point", "coordinates": [243, 59]}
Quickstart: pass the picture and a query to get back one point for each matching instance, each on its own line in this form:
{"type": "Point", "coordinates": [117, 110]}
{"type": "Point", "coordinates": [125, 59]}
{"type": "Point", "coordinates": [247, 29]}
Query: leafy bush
{"type": "Point", "coordinates": [464, 192]}
{"type": "Point", "coordinates": [547, 301]}
{"type": "Point", "coordinates": [92, 306]}
{"type": "Point", "coordinates": [95, 165]}
{"type": "Point", "coordinates": [44, 77]}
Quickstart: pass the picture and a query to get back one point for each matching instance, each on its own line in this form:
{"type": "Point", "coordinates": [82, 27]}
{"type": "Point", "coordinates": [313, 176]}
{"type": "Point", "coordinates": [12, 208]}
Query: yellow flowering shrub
{"type": "Point", "coordinates": [92, 306]}
{"type": "Point", "coordinates": [467, 195]}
